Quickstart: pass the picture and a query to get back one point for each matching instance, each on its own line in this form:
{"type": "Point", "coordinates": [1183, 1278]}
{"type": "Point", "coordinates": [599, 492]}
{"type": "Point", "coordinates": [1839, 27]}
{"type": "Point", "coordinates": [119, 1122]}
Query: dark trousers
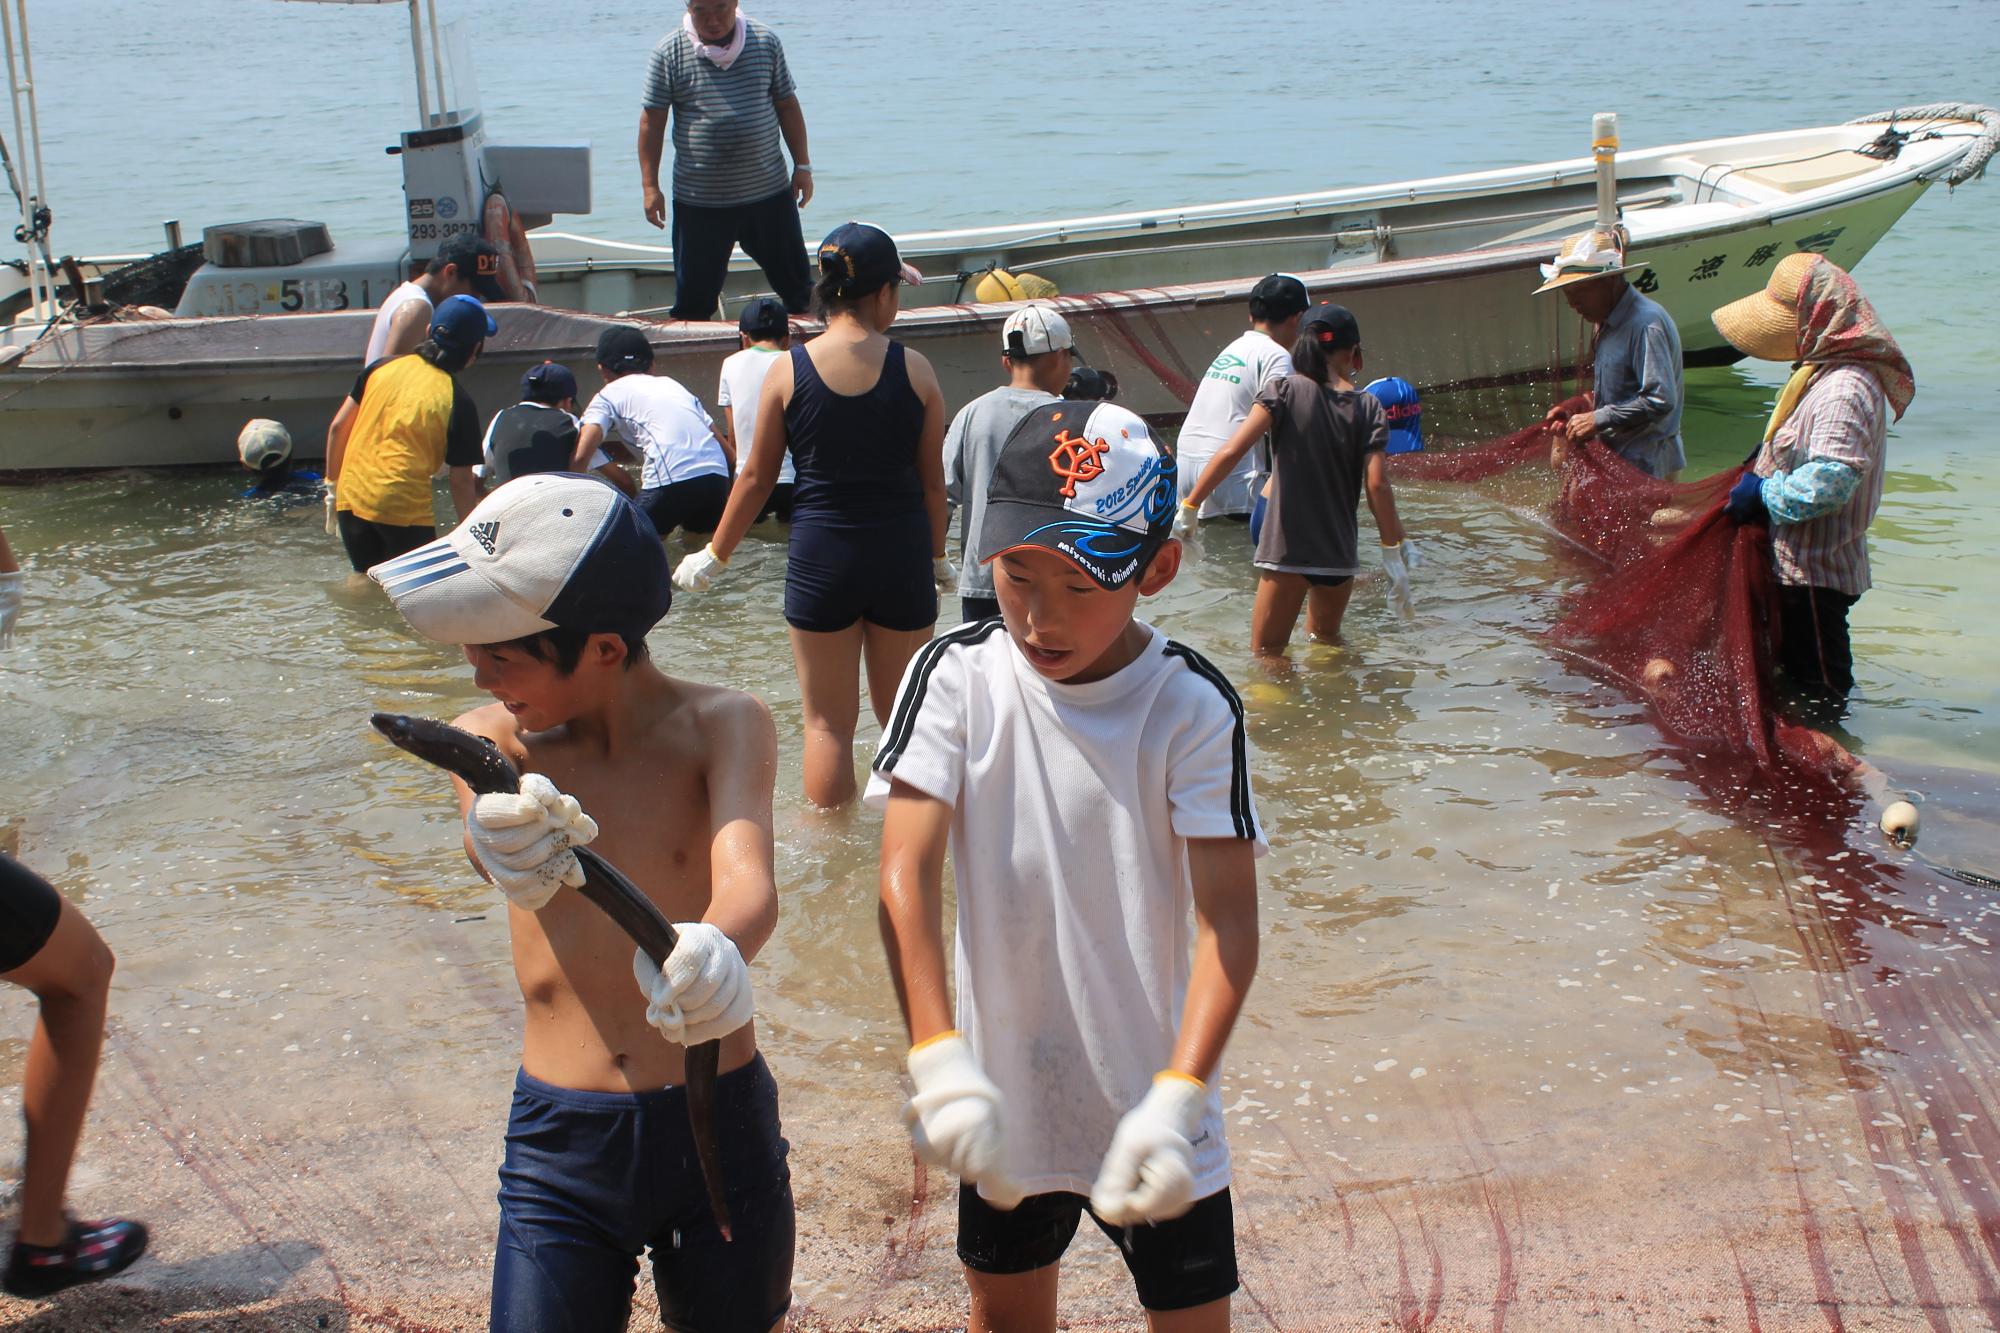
{"type": "Point", "coordinates": [768, 231]}
{"type": "Point", "coordinates": [695, 504]}
{"type": "Point", "coordinates": [370, 543]}
{"type": "Point", "coordinates": [977, 608]}
{"type": "Point", "coordinates": [1813, 647]}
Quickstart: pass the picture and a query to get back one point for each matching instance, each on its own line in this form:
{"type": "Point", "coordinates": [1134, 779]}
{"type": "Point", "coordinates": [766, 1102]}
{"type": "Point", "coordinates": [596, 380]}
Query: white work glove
{"type": "Point", "coordinates": [1186, 519]}
{"type": "Point", "coordinates": [944, 573]}
{"type": "Point", "coordinates": [696, 571]}
{"type": "Point", "coordinates": [954, 1117]}
{"type": "Point", "coordinates": [524, 840]}
{"type": "Point", "coordinates": [10, 605]}
{"type": "Point", "coordinates": [332, 524]}
{"type": "Point", "coordinates": [703, 992]}
{"type": "Point", "coordinates": [1148, 1176]}
{"type": "Point", "coordinates": [1397, 562]}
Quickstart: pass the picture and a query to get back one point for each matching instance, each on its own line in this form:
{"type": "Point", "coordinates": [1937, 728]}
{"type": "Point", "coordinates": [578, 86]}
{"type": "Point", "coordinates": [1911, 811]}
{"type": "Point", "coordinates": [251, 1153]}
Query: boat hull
{"type": "Point", "coordinates": [176, 392]}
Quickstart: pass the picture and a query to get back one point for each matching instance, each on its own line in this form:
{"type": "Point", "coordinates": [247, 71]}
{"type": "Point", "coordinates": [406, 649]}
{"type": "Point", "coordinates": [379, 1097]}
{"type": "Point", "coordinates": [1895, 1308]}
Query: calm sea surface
{"type": "Point", "coordinates": [1515, 942]}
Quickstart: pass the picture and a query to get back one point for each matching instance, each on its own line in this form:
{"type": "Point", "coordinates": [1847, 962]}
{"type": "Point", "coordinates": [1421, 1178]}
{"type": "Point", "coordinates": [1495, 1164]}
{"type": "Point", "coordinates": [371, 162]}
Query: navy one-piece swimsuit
{"type": "Point", "coordinates": [861, 539]}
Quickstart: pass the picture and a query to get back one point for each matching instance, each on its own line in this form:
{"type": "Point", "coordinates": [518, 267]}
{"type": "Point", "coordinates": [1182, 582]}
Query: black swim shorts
{"type": "Point", "coordinates": [1175, 1265]}
{"type": "Point", "coordinates": [29, 908]}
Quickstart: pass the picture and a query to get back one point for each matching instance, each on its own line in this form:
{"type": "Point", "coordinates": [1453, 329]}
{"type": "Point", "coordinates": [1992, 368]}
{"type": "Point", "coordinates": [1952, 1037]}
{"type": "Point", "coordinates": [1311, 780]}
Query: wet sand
{"type": "Point", "coordinates": [1761, 1099]}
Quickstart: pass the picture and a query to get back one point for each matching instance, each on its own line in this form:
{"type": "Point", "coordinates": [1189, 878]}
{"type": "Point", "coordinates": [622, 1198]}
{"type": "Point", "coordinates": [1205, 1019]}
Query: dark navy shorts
{"type": "Point", "coordinates": [29, 909]}
{"type": "Point", "coordinates": [695, 504]}
{"type": "Point", "coordinates": [593, 1179]}
{"type": "Point", "coordinates": [880, 574]}
{"type": "Point", "coordinates": [1175, 1265]}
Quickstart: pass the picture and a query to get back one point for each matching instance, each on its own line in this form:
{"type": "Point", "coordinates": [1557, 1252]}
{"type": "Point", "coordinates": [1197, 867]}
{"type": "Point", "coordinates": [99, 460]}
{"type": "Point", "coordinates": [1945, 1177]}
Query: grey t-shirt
{"type": "Point", "coordinates": [725, 121]}
{"type": "Point", "coordinates": [1320, 442]}
{"type": "Point", "coordinates": [971, 448]}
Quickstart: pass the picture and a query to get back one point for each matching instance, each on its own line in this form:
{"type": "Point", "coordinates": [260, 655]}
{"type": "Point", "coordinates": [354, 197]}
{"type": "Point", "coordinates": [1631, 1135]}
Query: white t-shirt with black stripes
{"type": "Point", "coordinates": [1074, 804]}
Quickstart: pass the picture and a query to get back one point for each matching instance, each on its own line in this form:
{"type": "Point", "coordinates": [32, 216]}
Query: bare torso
{"type": "Point", "coordinates": [585, 1015]}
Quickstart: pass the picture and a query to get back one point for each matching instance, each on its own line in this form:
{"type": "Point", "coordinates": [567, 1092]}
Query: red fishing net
{"type": "Point", "coordinates": [1683, 607]}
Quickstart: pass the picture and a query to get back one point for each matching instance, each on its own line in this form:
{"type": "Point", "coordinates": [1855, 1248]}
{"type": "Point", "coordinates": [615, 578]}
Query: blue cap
{"type": "Point", "coordinates": [861, 257]}
{"type": "Point", "coordinates": [460, 324]}
{"type": "Point", "coordinates": [548, 383]}
{"type": "Point", "coordinates": [1404, 412]}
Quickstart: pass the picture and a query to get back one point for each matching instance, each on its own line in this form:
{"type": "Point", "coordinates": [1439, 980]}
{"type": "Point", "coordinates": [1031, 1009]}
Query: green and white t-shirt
{"type": "Point", "coordinates": [1221, 403]}
{"type": "Point", "coordinates": [741, 386]}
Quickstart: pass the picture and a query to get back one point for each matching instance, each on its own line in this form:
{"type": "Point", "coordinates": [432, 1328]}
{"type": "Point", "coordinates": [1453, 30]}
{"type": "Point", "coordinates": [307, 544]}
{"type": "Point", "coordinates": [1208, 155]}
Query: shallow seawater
{"type": "Point", "coordinates": [1553, 1017]}
{"type": "Point", "coordinates": [1508, 928]}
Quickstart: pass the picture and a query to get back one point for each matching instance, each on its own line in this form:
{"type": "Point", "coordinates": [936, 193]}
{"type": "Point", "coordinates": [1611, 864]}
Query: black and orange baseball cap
{"type": "Point", "coordinates": [1088, 481]}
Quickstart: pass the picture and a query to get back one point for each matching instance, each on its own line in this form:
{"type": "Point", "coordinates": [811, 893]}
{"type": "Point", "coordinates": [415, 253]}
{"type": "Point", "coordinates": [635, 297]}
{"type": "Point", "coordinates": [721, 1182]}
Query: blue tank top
{"type": "Point", "coordinates": [855, 454]}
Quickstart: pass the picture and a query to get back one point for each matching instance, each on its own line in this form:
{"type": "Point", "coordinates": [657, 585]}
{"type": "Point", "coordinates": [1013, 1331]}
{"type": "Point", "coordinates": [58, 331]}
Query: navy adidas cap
{"type": "Point", "coordinates": [546, 551]}
{"type": "Point", "coordinates": [764, 317]}
{"type": "Point", "coordinates": [1403, 410]}
{"type": "Point", "coordinates": [547, 383]}
{"type": "Point", "coordinates": [1087, 481]}
{"type": "Point", "coordinates": [1333, 325]}
{"type": "Point", "coordinates": [460, 324]}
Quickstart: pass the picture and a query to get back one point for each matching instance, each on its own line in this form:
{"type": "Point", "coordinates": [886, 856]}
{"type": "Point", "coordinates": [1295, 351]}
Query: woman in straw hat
{"type": "Point", "coordinates": [1636, 381]}
{"type": "Point", "coordinates": [1818, 476]}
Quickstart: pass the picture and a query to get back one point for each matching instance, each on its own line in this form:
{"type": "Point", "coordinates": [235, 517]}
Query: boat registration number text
{"type": "Point", "coordinates": [289, 295]}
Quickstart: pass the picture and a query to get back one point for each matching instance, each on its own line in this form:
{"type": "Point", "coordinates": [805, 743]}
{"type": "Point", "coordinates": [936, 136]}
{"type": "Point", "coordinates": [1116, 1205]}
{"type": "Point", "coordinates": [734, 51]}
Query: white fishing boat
{"type": "Point", "coordinates": [1439, 271]}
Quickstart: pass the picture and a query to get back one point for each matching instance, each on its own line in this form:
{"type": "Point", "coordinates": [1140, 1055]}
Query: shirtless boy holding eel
{"type": "Point", "coordinates": [551, 584]}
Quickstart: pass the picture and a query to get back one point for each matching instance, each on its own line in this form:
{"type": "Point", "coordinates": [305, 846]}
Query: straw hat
{"type": "Point", "coordinates": [1766, 324]}
{"type": "Point", "coordinates": [1596, 253]}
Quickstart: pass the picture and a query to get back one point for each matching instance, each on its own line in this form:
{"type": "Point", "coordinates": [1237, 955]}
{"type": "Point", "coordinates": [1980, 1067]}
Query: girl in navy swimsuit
{"type": "Point", "coordinates": [864, 420]}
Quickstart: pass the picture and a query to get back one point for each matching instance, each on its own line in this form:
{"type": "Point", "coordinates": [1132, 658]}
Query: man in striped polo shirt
{"type": "Point", "coordinates": [724, 81]}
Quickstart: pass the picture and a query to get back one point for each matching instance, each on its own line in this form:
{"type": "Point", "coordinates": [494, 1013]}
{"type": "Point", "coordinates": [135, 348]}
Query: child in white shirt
{"type": "Point", "coordinates": [1092, 781]}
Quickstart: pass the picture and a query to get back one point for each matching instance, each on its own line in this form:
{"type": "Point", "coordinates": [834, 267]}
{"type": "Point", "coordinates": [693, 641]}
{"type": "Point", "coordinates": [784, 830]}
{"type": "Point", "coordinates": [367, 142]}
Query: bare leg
{"type": "Point", "coordinates": [1013, 1302]}
{"type": "Point", "coordinates": [887, 653]}
{"type": "Point", "coordinates": [1210, 1318]}
{"type": "Point", "coordinates": [829, 667]}
{"type": "Point", "coordinates": [1324, 609]}
{"type": "Point", "coordinates": [1279, 597]}
{"type": "Point", "coordinates": [71, 976]}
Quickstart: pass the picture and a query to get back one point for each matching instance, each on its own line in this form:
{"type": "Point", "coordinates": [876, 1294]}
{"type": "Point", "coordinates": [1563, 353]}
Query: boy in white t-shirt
{"type": "Point", "coordinates": [1092, 781]}
{"type": "Point", "coordinates": [1231, 385]}
{"type": "Point", "coordinates": [684, 478]}
{"type": "Point", "coordinates": [766, 330]}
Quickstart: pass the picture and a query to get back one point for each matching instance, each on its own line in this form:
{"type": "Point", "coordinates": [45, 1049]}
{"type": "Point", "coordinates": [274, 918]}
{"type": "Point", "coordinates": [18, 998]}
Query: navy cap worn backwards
{"type": "Point", "coordinates": [860, 257]}
{"type": "Point", "coordinates": [764, 317]}
{"type": "Point", "coordinates": [547, 383]}
{"type": "Point", "coordinates": [625, 348]}
{"type": "Point", "coordinates": [460, 324]}
{"type": "Point", "coordinates": [1087, 481]}
{"type": "Point", "coordinates": [1333, 326]}
{"type": "Point", "coordinates": [546, 551]}
{"type": "Point", "coordinates": [1278, 296]}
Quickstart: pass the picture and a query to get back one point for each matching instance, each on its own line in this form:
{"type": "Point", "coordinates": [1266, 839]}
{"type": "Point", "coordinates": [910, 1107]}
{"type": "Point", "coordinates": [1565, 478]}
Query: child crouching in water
{"type": "Point", "coordinates": [1327, 441]}
{"type": "Point", "coordinates": [551, 585]}
{"type": "Point", "coordinates": [1091, 780]}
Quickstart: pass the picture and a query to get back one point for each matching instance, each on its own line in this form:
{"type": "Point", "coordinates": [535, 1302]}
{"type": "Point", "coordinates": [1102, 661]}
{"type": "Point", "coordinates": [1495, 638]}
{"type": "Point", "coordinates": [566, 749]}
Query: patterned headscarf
{"type": "Point", "coordinates": [1837, 326]}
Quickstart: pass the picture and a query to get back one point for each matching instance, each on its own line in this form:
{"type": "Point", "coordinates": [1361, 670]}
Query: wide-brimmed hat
{"type": "Point", "coordinates": [1766, 324]}
{"type": "Point", "coordinates": [1596, 253]}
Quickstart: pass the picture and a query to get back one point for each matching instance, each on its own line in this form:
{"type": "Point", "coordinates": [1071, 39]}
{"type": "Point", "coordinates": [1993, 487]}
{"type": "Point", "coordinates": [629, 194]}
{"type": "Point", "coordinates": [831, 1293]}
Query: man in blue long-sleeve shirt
{"type": "Point", "coordinates": [1636, 387]}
